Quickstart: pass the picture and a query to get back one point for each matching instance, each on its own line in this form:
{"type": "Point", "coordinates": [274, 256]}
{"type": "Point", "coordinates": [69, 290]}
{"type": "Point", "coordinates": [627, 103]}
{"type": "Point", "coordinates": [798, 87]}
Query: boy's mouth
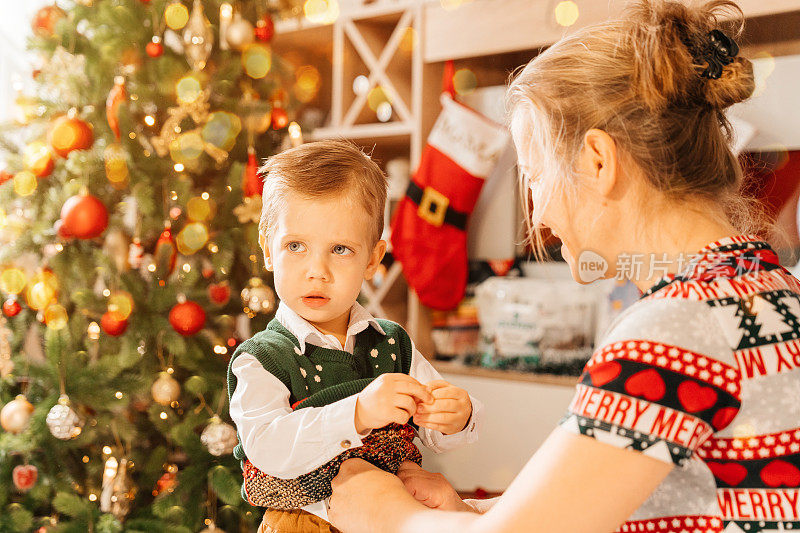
{"type": "Point", "coordinates": [315, 300]}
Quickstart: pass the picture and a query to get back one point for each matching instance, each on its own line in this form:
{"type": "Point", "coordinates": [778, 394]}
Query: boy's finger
{"type": "Point", "coordinates": [437, 384]}
{"type": "Point", "coordinates": [445, 405]}
{"type": "Point", "coordinates": [406, 403]}
{"type": "Point", "coordinates": [416, 389]}
{"type": "Point", "coordinates": [433, 418]}
{"type": "Point", "coordinates": [450, 391]}
{"type": "Point", "coordinates": [435, 427]}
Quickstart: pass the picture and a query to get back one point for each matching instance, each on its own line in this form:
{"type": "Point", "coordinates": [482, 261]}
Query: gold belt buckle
{"type": "Point", "coordinates": [433, 206]}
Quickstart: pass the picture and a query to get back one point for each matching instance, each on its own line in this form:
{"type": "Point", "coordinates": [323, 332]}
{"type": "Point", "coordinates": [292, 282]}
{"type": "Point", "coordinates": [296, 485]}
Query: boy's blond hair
{"type": "Point", "coordinates": [323, 169]}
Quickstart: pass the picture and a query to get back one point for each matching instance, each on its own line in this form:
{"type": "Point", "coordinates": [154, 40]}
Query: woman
{"type": "Point", "coordinates": [686, 417]}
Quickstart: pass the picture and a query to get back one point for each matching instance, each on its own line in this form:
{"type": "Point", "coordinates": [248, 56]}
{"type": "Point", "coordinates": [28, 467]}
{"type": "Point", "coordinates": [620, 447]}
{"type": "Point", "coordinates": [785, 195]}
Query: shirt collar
{"type": "Point", "coordinates": [360, 319]}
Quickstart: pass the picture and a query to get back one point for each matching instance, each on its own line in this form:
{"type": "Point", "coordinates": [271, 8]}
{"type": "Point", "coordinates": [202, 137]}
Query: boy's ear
{"type": "Point", "coordinates": [262, 240]}
{"type": "Point", "coordinates": [378, 251]}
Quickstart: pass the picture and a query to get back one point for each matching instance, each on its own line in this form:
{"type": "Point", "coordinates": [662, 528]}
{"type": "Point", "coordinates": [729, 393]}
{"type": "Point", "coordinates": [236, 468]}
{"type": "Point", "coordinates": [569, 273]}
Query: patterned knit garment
{"type": "Point", "coordinates": [318, 377]}
{"type": "Point", "coordinates": [704, 372]}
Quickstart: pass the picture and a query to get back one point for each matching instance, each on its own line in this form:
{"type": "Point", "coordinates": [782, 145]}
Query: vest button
{"type": "Point", "coordinates": [346, 443]}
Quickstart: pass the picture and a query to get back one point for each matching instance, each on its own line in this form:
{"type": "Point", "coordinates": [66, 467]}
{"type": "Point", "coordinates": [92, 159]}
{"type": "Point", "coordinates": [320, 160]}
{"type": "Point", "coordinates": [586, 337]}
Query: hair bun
{"type": "Point", "coordinates": [671, 42]}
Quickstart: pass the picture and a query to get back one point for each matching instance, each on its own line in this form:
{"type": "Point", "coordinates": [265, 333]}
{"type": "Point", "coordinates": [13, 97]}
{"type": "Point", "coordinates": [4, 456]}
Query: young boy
{"type": "Point", "coordinates": [355, 378]}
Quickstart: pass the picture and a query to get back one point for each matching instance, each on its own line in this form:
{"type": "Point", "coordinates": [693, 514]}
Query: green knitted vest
{"type": "Point", "coordinates": [322, 376]}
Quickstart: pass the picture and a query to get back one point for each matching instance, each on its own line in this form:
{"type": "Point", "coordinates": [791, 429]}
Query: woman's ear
{"type": "Point", "coordinates": [262, 240]}
{"type": "Point", "coordinates": [599, 160]}
{"type": "Point", "coordinates": [375, 258]}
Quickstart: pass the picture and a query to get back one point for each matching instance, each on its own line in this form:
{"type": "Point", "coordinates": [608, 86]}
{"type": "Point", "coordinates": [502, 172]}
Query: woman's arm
{"type": "Point", "coordinates": [572, 483]}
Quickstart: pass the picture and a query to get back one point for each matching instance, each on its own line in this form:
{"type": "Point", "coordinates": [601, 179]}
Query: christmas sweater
{"type": "Point", "coordinates": [318, 377]}
{"type": "Point", "coordinates": [704, 372]}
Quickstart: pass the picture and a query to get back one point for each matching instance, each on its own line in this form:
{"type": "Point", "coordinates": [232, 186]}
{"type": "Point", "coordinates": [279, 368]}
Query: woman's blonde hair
{"type": "Point", "coordinates": [636, 79]}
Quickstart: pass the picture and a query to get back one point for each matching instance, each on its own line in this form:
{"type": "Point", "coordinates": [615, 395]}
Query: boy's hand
{"type": "Point", "coordinates": [389, 398]}
{"type": "Point", "coordinates": [450, 411]}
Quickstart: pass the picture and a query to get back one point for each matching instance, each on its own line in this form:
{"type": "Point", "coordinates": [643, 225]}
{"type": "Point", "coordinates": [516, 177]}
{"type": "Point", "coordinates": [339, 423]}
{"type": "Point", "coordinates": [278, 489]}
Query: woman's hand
{"type": "Point", "coordinates": [430, 488]}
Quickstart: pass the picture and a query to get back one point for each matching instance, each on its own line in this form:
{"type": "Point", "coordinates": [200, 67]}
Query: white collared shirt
{"type": "Point", "coordinates": [286, 443]}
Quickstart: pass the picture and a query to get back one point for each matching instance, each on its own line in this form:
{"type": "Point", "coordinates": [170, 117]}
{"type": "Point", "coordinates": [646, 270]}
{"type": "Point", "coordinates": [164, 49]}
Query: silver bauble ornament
{"type": "Point", "coordinates": [63, 422]}
{"type": "Point", "coordinates": [220, 438]}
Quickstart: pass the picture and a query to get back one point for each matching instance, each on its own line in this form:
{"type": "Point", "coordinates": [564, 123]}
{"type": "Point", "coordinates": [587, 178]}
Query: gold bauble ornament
{"type": "Point", "coordinates": [118, 489]}
{"type": "Point", "coordinates": [198, 38]}
{"type": "Point", "coordinates": [220, 438]}
{"type": "Point", "coordinates": [63, 422]}
{"type": "Point", "coordinates": [16, 414]}
{"type": "Point", "coordinates": [165, 389]}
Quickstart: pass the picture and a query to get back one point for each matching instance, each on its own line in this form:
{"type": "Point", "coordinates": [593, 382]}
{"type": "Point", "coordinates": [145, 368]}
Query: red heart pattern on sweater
{"type": "Point", "coordinates": [647, 384]}
{"type": "Point", "coordinates": [778, 473]}
{"type": "Point", "coordinates": [723, 417]}
{"type": "Point", "coordinates": [695, 397]}
{"type": "Point", "coordinates": [730, 473]}
{"type": "Point", "coordinates": [604, 372]}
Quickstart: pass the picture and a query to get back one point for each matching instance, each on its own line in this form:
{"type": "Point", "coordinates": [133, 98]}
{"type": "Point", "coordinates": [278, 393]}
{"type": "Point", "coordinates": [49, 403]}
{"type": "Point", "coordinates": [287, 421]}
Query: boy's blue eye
{"type": "Point", "coordinates": [340, 249]}
{"type": "Point", "coordinates": [296, 247]}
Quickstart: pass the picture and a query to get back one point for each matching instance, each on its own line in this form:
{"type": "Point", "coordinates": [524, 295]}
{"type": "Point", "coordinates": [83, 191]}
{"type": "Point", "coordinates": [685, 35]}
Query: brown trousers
{"type": "Point", "coordinates": [294, 521]}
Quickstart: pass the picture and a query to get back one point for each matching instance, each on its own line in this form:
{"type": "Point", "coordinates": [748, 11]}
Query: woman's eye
{"type": "Point", "coordinates": [340, 249]}
{"type": "Point", "coordinates": [295, 247]}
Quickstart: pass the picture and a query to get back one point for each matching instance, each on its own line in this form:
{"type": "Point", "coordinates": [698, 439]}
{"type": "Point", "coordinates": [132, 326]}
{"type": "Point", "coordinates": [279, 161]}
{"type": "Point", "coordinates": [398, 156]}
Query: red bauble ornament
{"type": "Point", "coordinates": [252, 184]}
{"type": "Point", "coordinates": [154, 48]}
{"type": "Point", "coordinates": [116, 96]}
{"type": "Point", "coordinates": [84, 216]}
{"type": "Point", "coordinates": [24, 477]}
{"type": "Point", "coordinates": [219, 293]}
{"type": "Point", "coordinates": [11, 307]}
{"type": "Point", "coordinates": [44, 21]}
{"type": "Point", "coordinates": [113, 324]}
{"type": "Point", "coordinates": [187, 318]}
{"type": "Point", "coordinates": [280, 118]}
{"type": "Point", "coordinates": [265, 29]}
{"type": "Point", "coordinates": [5, 176]}
{"type": "Point", "coordinates": [69, 133]}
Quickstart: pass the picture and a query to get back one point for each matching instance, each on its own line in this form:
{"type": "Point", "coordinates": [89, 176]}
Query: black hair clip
{"type": "Point", "coordinates": [720, 50]}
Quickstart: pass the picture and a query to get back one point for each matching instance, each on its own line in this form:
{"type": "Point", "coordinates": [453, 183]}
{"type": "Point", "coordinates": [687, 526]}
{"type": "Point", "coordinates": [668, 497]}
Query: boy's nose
{"type": "Point", "coordinates": [318, 269]}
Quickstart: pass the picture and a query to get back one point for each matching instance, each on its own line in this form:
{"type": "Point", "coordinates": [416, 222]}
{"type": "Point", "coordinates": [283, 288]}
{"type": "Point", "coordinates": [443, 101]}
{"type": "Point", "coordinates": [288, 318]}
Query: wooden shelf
{"type": "Point", "coordinates": [445, 367]}
{"type": "Point", "coordinates": [386, 130]}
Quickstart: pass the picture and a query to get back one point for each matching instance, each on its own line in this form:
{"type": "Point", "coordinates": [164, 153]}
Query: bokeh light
{"type": "Point", "coordinates": [187, 147]}
{"type": "Point", "coordinates": [37, 158]}
{"type": "Point", "coordinates": [120, 303]}
{"type": "Point", "coordinates": [222, 129]}
{"type": "Point", "coordinates": [40, 294]}
{"type": "Point", "coordinates": [192, 238]}
{"type": "Point", "coordinates": [376, 97]}
{"type": "Point", "coordinates": [452, 4]}
{"type": "Point", "coordinates": [188, 89]}
{"type": "Point", "coordinates": [257, 60]}
{"type": "Point", "coordinates": [199, 209]}
{"type": "Point", "coordinates": [116, 165]}
{"type": "Point", "coordinates": [567, 13]}
{"type": "Point", "coordinates": [55, 316]}
{"type": "Point", "coordinates": [13, 280]}
{"type": "Point", "coordinates": [176, 15]}
{"type": "Point", "coordinates": [321, 11]}
{"type": "Point", "coordinates": [409, 40]}
{"type": "Point", "coordinates": [24, 183]}
{"type": "Point", "coordinates": [307, 83]}
{"type": "Point", "coordinates": [763, 67]}
{"type": "Point", "coordinates": [464, 81]}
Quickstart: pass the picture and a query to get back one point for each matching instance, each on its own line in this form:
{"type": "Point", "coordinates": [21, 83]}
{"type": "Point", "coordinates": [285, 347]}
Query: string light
{"type": "Point", "coordinates": [149, 120]}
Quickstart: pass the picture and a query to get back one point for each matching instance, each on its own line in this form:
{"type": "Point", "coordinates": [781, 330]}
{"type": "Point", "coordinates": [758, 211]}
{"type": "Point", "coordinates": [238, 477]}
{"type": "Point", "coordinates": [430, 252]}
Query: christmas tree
{"type": "Point", "coordinates": [129, 203]}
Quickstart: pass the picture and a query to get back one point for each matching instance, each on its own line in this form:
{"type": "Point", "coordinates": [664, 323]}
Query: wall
{"type": "Point", "coordinates": [517, 418]}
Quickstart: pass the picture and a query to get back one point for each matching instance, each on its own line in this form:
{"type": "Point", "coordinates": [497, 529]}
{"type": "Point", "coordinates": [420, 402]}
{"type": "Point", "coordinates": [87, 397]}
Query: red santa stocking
{"type": "Point", "coordinates": [428, 229]}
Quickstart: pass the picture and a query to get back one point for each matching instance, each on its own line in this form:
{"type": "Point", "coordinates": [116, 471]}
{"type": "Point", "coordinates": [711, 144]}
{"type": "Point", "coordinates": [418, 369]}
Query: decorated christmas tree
{"type": "Point", "coordinates": [129, 204]}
